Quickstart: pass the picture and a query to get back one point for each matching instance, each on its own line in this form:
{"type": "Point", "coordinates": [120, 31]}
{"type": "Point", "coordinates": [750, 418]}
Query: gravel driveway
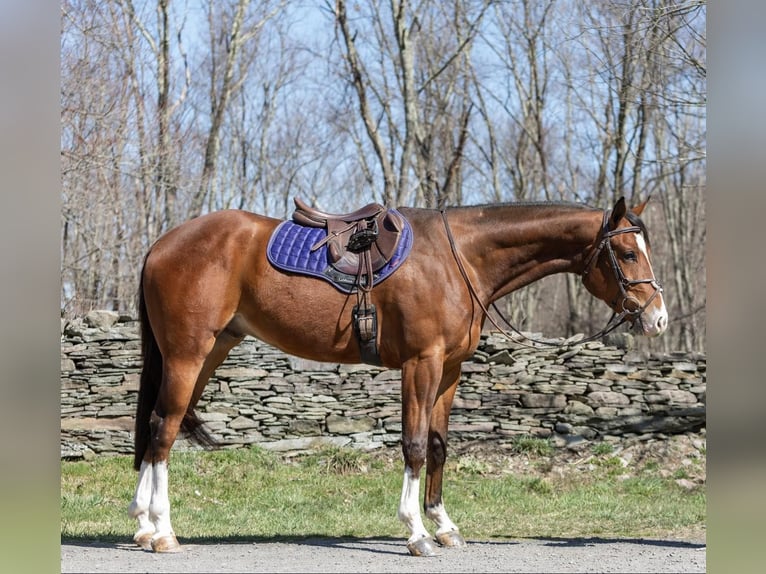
{"type": "Point", "coordinates": [390, 555]}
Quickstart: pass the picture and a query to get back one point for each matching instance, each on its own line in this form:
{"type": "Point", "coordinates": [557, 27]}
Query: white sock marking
{"type": "Point", "coordinates": [139, 507]}
{"type": "Point", "coordinates": [409, 506]}
{"type": "Point", "coordinates": [159, 508]}
{"type": "Point", "coordinates": [443, 523]}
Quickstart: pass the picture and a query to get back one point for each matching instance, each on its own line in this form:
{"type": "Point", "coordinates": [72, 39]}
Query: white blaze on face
{"type": "Point", "coordinates": [654, 319]}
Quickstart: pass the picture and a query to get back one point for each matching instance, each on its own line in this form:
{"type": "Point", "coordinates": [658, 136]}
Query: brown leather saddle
{"type": "Point", "coordinates": [372, 230]}
{"type": "Point", "coordinates": [358, 243]}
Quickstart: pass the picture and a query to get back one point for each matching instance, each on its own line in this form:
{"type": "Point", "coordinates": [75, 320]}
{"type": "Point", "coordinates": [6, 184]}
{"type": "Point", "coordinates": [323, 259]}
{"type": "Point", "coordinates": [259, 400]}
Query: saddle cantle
{"type": "Point", "coordinates": [371, 228]}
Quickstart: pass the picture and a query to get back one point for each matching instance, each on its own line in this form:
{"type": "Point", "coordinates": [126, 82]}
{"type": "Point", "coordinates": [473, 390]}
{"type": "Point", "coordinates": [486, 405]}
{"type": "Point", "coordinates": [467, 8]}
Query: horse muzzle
{"type": "Point", "coordinates": [652, 321]}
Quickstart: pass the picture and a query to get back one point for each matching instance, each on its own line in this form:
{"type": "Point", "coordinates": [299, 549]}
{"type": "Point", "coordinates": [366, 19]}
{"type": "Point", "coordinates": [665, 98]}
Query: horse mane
{"type": "Point", "coordinates": [525, 204]}
{"type": "Point", "coordinates": [631, 217]}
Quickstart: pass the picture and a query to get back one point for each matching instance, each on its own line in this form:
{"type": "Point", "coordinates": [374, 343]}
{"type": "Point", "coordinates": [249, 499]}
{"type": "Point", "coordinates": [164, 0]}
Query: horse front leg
{"type": "Point", "coordinates": [447, 533]}
{"type": "Point", "coordinates": [420, 381]}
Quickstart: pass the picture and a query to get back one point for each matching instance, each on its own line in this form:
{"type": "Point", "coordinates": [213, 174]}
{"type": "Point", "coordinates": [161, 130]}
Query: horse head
{"type": "Point", "coordinates": [618, 270]}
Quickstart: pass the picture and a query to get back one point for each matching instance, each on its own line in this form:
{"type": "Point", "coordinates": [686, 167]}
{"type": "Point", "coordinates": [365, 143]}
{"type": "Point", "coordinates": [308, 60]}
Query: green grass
{"type": "Point", "coordinates": [602, 448]}
{"type": "Point", "coordinates": [532, 445]}
{"type": "Point", "coordinates": [251, 493]}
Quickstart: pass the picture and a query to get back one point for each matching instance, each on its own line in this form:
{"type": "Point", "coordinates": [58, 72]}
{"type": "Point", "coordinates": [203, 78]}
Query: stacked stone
{"type": "Point", "coordinates": [571, 392]}
{"type": "Point", "coordinates": [579, 391]}
{"type": "Point", "coordinates": [100, 369]}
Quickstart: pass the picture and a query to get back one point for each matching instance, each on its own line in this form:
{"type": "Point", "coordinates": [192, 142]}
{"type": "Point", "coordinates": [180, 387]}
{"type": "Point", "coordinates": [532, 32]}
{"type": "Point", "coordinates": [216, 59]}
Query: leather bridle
{"type": "Point", "coordinates": [630, 307]}
{"type": "Point", "coordinates": [603, 242]}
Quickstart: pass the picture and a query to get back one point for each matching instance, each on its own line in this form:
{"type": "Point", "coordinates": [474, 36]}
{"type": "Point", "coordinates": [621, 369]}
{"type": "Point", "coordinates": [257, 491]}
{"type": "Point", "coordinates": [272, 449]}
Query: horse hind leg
{"type": "Point", "coordinates": [151, 503]}
{"type": "Point", "coordinates": [178, 383]}
{"type": "Point", "coordinates": [139, 507]}
{"type": "Point", "coordinates": [150, 506]}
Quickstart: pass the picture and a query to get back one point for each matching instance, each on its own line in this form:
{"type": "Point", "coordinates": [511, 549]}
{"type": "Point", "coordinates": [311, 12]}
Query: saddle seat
{"type": "Point", "coordinates": [313, 217]}
{"type": "Point", "coordinates": [372, 230]}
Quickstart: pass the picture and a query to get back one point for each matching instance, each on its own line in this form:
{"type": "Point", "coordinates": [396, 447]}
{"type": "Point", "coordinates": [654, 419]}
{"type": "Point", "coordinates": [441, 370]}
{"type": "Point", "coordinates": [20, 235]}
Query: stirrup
{"type": "Point", "coordinates": [365, 323]}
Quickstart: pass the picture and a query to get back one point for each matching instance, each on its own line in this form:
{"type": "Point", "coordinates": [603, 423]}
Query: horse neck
{"type": "Point", "coordinates": [511, 246]}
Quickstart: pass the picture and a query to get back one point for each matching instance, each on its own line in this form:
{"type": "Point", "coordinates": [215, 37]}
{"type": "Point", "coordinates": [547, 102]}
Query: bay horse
{"type": "Point", "coordinates": [207, 284]}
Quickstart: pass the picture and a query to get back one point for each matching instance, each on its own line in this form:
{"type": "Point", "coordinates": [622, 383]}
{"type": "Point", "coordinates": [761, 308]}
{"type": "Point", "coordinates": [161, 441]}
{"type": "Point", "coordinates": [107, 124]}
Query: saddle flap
{"type": "Point", "coordinates": [390, 231]}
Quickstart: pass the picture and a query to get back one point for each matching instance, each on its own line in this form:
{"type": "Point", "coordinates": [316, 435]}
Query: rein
{"type": "Point", "coordinates": [614, 321]}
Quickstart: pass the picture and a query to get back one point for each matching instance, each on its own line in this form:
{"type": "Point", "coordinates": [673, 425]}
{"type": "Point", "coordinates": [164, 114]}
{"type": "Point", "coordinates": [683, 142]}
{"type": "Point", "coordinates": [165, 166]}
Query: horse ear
{"type": "Point", "coordinates": [639, 209]}
{"type": "Point", "coordinates": [618, 212]}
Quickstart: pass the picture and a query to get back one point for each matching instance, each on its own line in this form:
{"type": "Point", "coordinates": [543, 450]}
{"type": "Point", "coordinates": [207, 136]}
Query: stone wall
{"type": "Point", "coordinates": [571, 394]}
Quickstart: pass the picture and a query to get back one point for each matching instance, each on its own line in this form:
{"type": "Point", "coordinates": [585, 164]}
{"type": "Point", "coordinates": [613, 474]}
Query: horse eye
{"type": "Point", "coordinates": [630, 256]}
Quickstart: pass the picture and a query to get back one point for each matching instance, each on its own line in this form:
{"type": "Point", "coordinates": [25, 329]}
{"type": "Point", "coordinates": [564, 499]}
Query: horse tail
{"type": "Point", "coordinates": [151, 378]}
{"type": "Point", "coordinates": [192, 425]}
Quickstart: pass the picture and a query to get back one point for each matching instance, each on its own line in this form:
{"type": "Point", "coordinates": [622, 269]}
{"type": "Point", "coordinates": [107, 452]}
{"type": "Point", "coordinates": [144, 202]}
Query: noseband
{"type": "Point", "coordinates": [623, 282]}
{"type": "Point", "coordinates": [631, 308]}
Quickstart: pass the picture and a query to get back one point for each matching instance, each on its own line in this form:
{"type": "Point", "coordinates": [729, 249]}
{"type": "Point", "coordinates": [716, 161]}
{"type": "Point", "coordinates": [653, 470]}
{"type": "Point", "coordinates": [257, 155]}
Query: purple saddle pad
{"type": "Point", "coordinates": [289, 249]}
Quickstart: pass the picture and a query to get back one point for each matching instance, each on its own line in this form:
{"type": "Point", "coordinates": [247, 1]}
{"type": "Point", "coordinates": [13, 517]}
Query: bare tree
{"type": "Point", "coordinates": [227, 43]}
{"type": "Point", "coordinates": [407, 107]}
{"type": "Point", "coordinates": [95, 123]}
{"type": "Point", "coordinates": [169, 111]}
{"type": "Point", "coordinates": [520, 39]}
{"type": "Point", "coordinates": [677, 176]}
{"type": "Point", "coordinates": [514, 111]}
{"type": "Point", "coordinates": [124, 180]}
{"type": "Point", "coordinates": [652, 135]}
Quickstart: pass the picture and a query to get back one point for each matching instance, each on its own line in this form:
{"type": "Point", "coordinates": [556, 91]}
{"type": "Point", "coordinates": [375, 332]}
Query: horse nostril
{"type": "Point", "coordinates": [662, 322]}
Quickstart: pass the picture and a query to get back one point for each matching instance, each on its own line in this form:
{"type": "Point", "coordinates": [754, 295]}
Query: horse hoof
{"type": "Point", "coordinates": [423, 547]}
{"type": "Point", "coordinates": [166, 544]}
{"type": "Point", "coordinates": [453, 539]}
{"type": "Point", "coordinates": [144, 539]}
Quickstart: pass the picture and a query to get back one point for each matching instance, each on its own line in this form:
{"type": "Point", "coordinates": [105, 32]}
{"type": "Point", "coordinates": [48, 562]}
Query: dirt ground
{"type": "Point", "coordinates": [669, 454]}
